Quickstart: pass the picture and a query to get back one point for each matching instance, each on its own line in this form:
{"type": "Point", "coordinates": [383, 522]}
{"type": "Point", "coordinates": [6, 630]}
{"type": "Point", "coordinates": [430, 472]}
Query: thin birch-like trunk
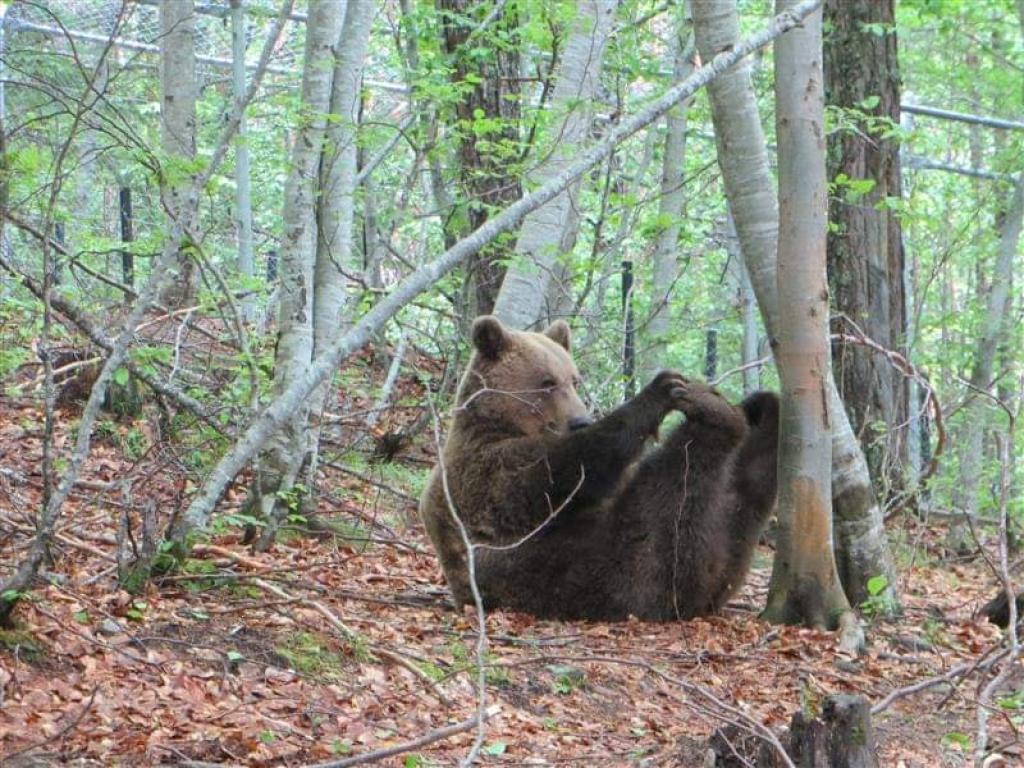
{"type": "Point", "coordinates": [334, 294]}
{"type": "Point", "coordinates": [285, 406]}
{"type": "Point", "coordinates": [665, 262]}
{"type": "Point", "coordinates": [178, 139]}
{"type": "Point", "coordinates": [805, 585]}
{"type": "Point", "coordinates": [965, 492]}
{"type": "Point", "coordinates": [288, 449]}
{"type": "Point", "coordinates": [243, 198]}
{"type": "Point", "coordinates": [862, 550]}
{"type": "Point", "coordinates": [520, 302]}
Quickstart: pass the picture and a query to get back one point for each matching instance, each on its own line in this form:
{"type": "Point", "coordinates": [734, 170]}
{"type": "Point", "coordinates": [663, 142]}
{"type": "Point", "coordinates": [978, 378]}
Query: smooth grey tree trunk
{"type": "Point", "coordinates": [335, 292]}
{"type": "Point", "coordinates": [805, 586]}
{"type": "Point", "coordinates": [289, 449]}
{"type": "Point", "coordinates": [243, 198]}
{"type": "Point", "coordinates": [520, 302]}
{"type": "Point", "coordinates": [862, 550]}
{"type": "Point", "coordinates": [665, 262]}
{"type": "Point", "coordinates": [178, 138]}
{"type": "Point", "coordinates": [965, 492]}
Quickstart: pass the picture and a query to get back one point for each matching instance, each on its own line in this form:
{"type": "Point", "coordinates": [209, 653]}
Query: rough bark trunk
{"type": "Point", "coordinates": [841, 737]}
{"type": "Point", "coordinates": [484, 159]}
{"type": "Point", "coordinates": [520, 302]}
{"type": "Point", "coordinates": [805, 586]}
{"type": "Point", "coordinates": [865, 244]}
{"type": "Point", "coordinates": [965, 492]}
{"type": "Point", "coordinates": [178, 139]}
{"type": "Point", "coordinates": [862, 550]}
{"type": "Point", "coordinates": [289, 448]}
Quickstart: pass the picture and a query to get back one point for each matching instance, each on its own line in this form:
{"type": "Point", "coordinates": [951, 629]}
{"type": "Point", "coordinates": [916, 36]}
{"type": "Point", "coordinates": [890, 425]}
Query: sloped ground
{"type": "Point", "coordinates": [327, 648]}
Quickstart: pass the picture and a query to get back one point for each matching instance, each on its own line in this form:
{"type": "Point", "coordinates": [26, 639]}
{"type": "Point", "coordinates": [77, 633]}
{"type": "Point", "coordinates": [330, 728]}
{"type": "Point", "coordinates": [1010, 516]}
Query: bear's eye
{"type": "Point", "coordinates": [548, 383]}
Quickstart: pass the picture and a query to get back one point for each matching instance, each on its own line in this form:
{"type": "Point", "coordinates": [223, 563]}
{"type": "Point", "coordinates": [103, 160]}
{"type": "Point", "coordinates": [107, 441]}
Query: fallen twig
{"type": "Point", "coordinates": [407, 746]}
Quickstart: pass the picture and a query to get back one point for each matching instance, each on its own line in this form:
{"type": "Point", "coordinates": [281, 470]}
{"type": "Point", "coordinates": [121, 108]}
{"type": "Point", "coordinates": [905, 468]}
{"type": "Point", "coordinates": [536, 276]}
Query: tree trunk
{"type": "Point", "coordinates": [841, 737]}
{"type": "Point", "coordinates": [178, 138]}
{"type": "Point", "coordinates": [747, 303]}
{"type": "Point", "coordinates": [290, 448]}
{"type": "Point", "coordinates": [862, 550]}
{"type": "Point", "coordinates": [805, 585]}
{"type": "Point", "coordinates": [484, 159]}
{"type": "Point", "coordinates": [665, 262]}
{"type": "Point", "coordinates": [520, 302]}
{"type": "Point", "coordinates": [865, 243]}
{"type": "Point", "coordinates": [334, 294]}
{"type": "Point", "coordinates": [243, 199]}
{"type": "Point", "coordinates": [965, 492]}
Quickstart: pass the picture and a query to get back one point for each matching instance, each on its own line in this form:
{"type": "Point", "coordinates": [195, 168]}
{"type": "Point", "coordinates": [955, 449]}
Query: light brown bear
{"type": "Point", "coordinates": [566, 520]}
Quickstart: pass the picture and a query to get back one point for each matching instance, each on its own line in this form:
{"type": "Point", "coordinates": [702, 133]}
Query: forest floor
{"type": "Point", "coordinates": [327, 648]}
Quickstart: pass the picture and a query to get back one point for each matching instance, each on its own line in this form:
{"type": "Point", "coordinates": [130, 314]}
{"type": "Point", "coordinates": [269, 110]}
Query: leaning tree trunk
{"type": "Point", "coordinates": [865, 243]}
{"type": "Point", "coordinates": [290, 448]}
{"type": "Point", "coordinates": [520, 302]}
{"type": "Point", "coordinates": [862, 550]}
{"type": "Point", "coordinates": [488, 77]}
{"type": "Point", "coordinates": [665, 262]}
{"type": "Point", "coordinates": [178, 138]}
{"type": "Point", "coordinates": [805, 585]}
{"type": "Point", "coordinates": [965, 493]}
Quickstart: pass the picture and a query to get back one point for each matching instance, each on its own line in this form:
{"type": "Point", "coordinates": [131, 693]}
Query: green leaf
{"type": "Point", "coordinates": [121, 377]}
{"type": "Point", "coordinates": [82, 617]}
{"type": "Point", "coordinates": [495, 748]}
{"type": "Point", "coordinates": [955, 738]}
{"type": "Point", "coordinates": [877, 585]}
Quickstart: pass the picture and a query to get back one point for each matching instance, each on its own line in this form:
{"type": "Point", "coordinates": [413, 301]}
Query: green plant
{"type": "Point", "coordinates": [879, 601]}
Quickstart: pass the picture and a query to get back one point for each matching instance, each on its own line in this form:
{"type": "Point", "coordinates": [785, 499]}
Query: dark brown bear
{"type": "Point", "coordinates": [566, 520]}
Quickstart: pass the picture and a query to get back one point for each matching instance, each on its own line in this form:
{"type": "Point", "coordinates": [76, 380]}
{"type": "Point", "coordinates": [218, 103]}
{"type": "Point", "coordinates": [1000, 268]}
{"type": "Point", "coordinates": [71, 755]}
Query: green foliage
{"type": "Point", "coordinates": [880, 600]}
{"type": "Point", "coordinates": [313, 655]}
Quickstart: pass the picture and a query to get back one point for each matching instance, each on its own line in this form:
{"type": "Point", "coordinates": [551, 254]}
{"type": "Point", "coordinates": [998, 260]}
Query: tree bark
{"type": "Point", "coordinates": [290, 448]}
{"type": "Point", "coordinates": [178, 140]}
{"type": "Point", "coordinates": [665, 262]}
{"type": "Point", "coordinates": [488, 77]}
{"type": "Point", "coordinates": [842, 736]}
{"type": "Point", "coordinates": [243, 198]}
{"type": "Point", "coordinates": [862, 550]}
{"type": "Point", "coordinates": [805, 585]}
{"type": "Point", "coordinates": [520, 302]}
{"type": "Point", "coordinates": [284, 407]}
{"type": "Point", "coordinates": [865, 243]}
{"type": "Point", "coordinates": [335, 293]}
{"type": "Point", "coordinates": [997, 303]}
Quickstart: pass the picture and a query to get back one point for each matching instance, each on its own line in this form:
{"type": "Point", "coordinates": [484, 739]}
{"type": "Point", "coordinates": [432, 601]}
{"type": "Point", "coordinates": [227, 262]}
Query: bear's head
{"type": "Point", "coordinates": [520, 381]}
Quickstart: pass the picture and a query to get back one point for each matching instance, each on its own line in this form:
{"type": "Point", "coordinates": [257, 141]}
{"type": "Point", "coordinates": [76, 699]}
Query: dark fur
{"type": "Point", "coordinates": [668, 537]}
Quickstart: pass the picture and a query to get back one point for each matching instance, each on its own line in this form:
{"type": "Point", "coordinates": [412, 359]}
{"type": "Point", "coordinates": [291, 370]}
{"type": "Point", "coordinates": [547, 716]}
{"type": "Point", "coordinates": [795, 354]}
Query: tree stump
{"type": "Point", "coordinates": [842, 737]}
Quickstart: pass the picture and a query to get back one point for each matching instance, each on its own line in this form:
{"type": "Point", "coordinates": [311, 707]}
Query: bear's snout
{"type": "Point", "coordinates": [579, 422]}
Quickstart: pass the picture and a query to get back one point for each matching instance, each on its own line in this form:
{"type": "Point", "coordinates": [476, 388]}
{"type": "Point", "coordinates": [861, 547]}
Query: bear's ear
{"type": "Point", "coordinates": [559, 332]}
{"type": "Point", "coordinates": [489, 336]}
